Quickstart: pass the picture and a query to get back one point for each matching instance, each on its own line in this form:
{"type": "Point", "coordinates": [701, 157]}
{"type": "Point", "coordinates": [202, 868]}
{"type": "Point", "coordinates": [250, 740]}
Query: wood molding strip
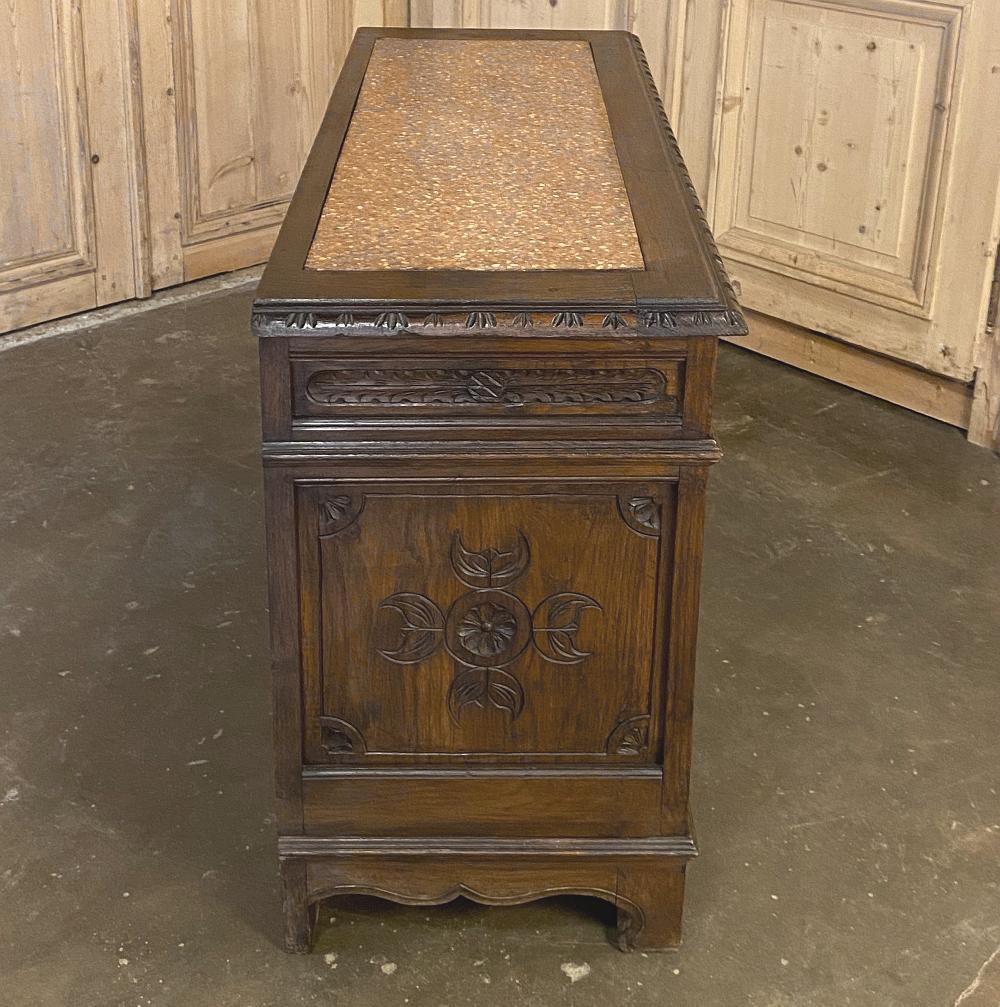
{"type": "Point", "coordinates": [312, 846]}
{"type": "Point", "coordinates": [929, 394]}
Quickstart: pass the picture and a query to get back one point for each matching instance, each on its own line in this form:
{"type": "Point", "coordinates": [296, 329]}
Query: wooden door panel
{"type": "Point", "coordinates": [67, 240]}
{"type": "Point", "coordinates": [471, 624]}
{"type": "Point", "coordinates": [232, 95]}
{"type": "Point", "coordinates": [859, 209]}
{"type": "Point", "coordinates": [45, 221]}
{"type": "Point", "coordinates": [847, 169]}
{"type": "Point", "coordinates": [245, 111]}
{"type": "Point", "coordinates": [582, 14]}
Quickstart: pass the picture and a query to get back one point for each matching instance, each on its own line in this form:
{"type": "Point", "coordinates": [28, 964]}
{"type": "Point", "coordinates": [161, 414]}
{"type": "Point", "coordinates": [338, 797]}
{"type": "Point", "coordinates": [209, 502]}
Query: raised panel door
{"type": "Point", "coordinates": [467, 622]}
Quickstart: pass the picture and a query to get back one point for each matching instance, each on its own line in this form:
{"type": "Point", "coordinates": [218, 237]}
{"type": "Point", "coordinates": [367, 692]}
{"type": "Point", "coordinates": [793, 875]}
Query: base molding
{"type": "Point", "coordinates": [934, 395]}
{"type": "Point", "coordinates": [642, 878]}
{"type": "Point", "coordinates": [318, 846]}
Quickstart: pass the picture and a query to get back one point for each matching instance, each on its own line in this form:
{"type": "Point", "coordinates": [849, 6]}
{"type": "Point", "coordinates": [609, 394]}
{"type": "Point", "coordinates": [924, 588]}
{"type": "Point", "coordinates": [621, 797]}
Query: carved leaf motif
{"type": "Point", "coordinates": [480, 320]}
{"type": "Point", "coordinates": [633, 741]}
{"type": "Point", "coordinates": [300, 320]}
{"type": "Point", "coordinates": [336, 742]}
{"type": "Point", "coordinates": [556, 621]}
{"type": "Point", "coordinates": [646, 512]}
{"type": "Point", "coordinates": [338, 737]}
{"type": "Point", "coordinates": [613, 321]}
{"type": "Point", "coordinates": [505, 692]}
{"type": "Point", "coordinates": [660, 319]}
{"type": "Point", "coordinates": [479, 686]}
{"type": "Point", "coordinates": [491, 567]}
{"type": "Point", "coordinates": [523, 320]}
{"type": "Point", "coordinates": [495, 387]}
{"type": "Point", "coordinates": [630, 736]}
{"type": "Point", "coordinates": [391, 320]}
{"type": "Point", "coordinates": [569, 319]}
{"type": "Point", "coordinates": [336, 513]}
{"type": "Point", "coordinates": [420, 628]}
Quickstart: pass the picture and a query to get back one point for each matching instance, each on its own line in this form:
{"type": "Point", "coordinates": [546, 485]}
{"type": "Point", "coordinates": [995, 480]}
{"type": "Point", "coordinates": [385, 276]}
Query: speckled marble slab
{"type": "Point", "coordinates": [478, 154]}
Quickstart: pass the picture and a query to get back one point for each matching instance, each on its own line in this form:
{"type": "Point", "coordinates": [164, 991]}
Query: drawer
{"type": "Point", "coordinates": [549, 389]}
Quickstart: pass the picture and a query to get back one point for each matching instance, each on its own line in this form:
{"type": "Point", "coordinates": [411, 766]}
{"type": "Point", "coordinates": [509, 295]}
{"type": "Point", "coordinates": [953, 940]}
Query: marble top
{"type": "Point", "coordinates": [477, 154]}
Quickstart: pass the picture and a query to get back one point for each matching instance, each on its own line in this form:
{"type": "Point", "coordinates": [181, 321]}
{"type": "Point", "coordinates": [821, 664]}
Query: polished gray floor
{"type": "Point", "coordinates": [848, 725]}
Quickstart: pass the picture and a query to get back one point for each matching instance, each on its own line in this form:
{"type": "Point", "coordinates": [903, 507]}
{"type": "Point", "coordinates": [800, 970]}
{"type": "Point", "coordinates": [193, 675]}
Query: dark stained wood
{"type": "Point", "coordinates": [599, 805]}
{"type": "Point", "coordinates": [485, 502]}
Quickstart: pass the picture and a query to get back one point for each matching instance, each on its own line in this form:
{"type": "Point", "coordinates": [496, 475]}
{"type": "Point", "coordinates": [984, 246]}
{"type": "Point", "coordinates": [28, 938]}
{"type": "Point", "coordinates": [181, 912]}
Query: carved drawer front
{"type": "Point", "coordinates": [449, 623]}
{"type": "Point", "coordinates": [530, 386]}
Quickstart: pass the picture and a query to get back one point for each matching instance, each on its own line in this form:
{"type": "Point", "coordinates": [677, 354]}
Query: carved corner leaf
{"type": "Point", "coordinates": [338, 737]}
{"type": "Point", "coordinates": [420, 629]}
{"type": "Point", "coordinates": [555, 624]}
{"type": "Point", "coordinates": [338, 512]}
{"type": "Point", "coordinates": [629, 736]}
{"type": "Point", "coordinates": [641, 514]}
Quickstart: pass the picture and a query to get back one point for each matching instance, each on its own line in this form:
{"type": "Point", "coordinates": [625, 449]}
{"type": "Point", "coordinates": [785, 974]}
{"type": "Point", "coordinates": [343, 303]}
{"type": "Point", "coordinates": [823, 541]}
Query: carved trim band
{"type": "Point", "coordinates": [484, 387]}
{"type": "Point", "coordinates": [711, 321]}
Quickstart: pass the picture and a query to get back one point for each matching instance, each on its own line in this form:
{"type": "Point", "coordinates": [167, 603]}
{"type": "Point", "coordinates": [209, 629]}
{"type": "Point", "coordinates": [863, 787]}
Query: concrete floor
{"type": "Point", "coordinates": [847, 744]}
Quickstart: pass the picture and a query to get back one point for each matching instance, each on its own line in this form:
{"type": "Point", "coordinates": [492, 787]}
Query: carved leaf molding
{"type": "Point", "coordinates": [671, 320]}
{"type": "Point", "coordinates": [508, 387]}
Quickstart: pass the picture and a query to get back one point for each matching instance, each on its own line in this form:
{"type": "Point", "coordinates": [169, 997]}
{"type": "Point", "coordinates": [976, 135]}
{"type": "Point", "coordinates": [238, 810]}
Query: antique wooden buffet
{"type": "Point", "coordinates": [488, 334]}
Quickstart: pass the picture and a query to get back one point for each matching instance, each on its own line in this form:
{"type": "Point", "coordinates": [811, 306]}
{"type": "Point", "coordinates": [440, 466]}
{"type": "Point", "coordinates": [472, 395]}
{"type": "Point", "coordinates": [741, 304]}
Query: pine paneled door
{"type": "Point", "coordinates": [846, 152]}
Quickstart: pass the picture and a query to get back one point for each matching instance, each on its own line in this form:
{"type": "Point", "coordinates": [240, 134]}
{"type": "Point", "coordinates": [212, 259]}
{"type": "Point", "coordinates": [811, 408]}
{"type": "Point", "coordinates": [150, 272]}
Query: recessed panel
{"type": "Point", "coordinates": [468, 154]}
{"type": "Point", "coordinates": [841, 133]}
{"type": "Point", "coordinates": [495, 623]}
{"type": "Point", "coordinates": [42, 211]}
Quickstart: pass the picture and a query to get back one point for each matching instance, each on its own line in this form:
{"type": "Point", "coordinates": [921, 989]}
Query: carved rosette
{"type": "Point", "coordinates": [488, 628]}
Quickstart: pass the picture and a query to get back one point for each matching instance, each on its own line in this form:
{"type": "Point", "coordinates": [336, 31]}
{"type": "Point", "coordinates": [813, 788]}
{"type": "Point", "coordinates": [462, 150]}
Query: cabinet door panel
{"type": "Point", "coordinates": [443, 623]}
